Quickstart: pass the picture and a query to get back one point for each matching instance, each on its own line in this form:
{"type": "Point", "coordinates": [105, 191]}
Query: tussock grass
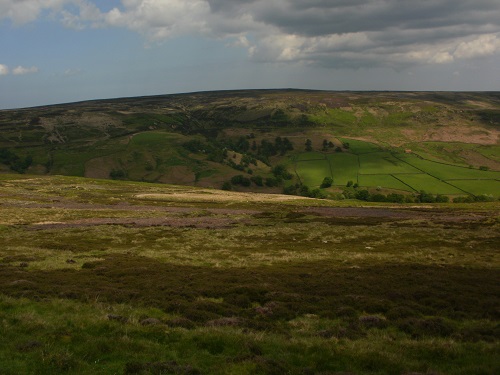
{"type": "Point", "coordinates": [297, 287]}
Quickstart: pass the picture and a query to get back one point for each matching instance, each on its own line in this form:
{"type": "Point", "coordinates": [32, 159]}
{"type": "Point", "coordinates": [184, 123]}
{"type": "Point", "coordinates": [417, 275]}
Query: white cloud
{"type": "Point", "coordinates": [484, 45]}
{"type": "Point", "coordinates": [4, 70]}
{"type": "Point", "coordinates": [160, 19]}
{"type": "Point", "coordinates": [21, 70]}
{"type": "Point", "coordinates": [442, 58]}
{"type": "Point", "coordinates": [24, 11]}
{"type": "Point", "coordinates": [341, 33]}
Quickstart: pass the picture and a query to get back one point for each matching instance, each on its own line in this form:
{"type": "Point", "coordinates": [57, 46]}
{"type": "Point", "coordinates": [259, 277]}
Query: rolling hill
{"type": "Point", "coordinates": [389, 142]}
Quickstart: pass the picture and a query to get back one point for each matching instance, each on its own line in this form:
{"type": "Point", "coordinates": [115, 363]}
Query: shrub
{"type": "Point", "coordinates": [395, 198]}
{"type": "Point", "coordinates": [327, 182]}
{"type": "Point", "coordinates": [117, 174]}
{"type": "Point", "coordinates": [257, 180]}
{"type": "Point", "coordinates": [421, 327]}
{"type": "Point", "coordinates": [378, 198]}
{"type": "Point", "coordinates": [280, 171]}
{"type": "Point", "coordinates": [240, 180]}
{"type": "Point", "coordinates": [271, 182]}
{"type": "Point", "coordinates": [317, 193]}
{"type": "Point", "coordinates": [362, 195]}
{"type": "Point", "coordinates": [442, 198]}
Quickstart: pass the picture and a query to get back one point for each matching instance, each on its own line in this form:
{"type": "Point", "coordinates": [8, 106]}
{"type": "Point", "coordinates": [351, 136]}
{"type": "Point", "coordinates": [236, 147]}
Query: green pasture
{"type": "Point", "coordinates": [383, 163]}
{"type": "Point", "coordinates": [429, 184]}
{"type": "Point", "coordinates": [479, 187]}
{"type": "Point", "coordinates": [360, 147]}
{"type": "Point", "coordinates": [447, 172]}
{"type": "Point", "coordinates": [313, 172]}
{"type": "Point", "coordinates": [344, 167]}
{"type": "Point", "coordinates": [383, 180]}
{"type": "Point", "coordinates": [155, 139]}
{"type": "Point", "coordinates": [454, 152]}
{"type": "Point", "coordinates": [305, 156]}
{"type": "Point", "coordinates": [367, 164]}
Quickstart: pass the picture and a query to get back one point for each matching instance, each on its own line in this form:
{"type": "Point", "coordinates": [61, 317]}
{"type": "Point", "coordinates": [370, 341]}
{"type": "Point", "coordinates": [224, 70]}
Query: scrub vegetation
{"type": "Point", "coordinates": [109, 276]}
{"type": "Point", "coordinates": [118, 255]}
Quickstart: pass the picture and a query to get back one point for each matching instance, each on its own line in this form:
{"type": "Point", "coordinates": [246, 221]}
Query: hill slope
{"type": "Point", "coordinates": [206, 139]}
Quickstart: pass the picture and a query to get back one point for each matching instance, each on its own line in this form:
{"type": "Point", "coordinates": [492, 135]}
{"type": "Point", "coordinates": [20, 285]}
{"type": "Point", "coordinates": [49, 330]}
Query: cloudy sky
{"type": "Point", "coordinates": [54, 51]}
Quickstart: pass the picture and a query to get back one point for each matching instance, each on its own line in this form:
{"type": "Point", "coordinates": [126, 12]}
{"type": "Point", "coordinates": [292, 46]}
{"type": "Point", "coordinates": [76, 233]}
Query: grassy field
{"type": "Point", "coordinates": [313, 172]}
{"type": "Point", "coordinates": [360, 147]}
{"type": "Point", "coordinates": [386, 181]}
{"type": "Point", "coordinates": [446, 171]}
{"type": "Point", "coordinates": [384, 163]}
{"type": "Point", "coordinates": [476, 187]}
{"type": "Point", "coordinates": [366, 164]}
{"type": "Point", "coordinates": [111, 277]}
{"type": "Point", "coordinates": [429, 184]}
{"type": "Point", "coordinates": [344, 166]}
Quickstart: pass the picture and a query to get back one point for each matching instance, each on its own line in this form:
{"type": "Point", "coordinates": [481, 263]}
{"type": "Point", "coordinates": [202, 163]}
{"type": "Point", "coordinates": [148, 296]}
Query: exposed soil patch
{"type": "Point", "coordinates": [124, 206]}
{"type": "Point", "coordinates": [177, 222]}
{"type": "Point", "coordinates": [372, 212]}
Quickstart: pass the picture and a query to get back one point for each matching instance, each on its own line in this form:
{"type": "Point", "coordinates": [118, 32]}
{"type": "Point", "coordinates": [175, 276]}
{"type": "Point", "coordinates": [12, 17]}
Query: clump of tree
{"type": "Point", "coordinates": [244, 164]}
{"type": "Point", "coordinates": [424, 197]}
{"type": "Point", "coordinates": [327, 144]}
{"type": "Point", "coordinates": [327, 182]}
{"type": "Point", "coordinates": [241, 180]}
{"type": "Point", "coordinates": [267, 149]}
{"type": "Point", "coordinates": [272, 182]}
{"type": "Point", "coordinates": [472, 198]}
{"type": "Point", "coordinates": [308, 145]}
{"type": "Point", "coordinates": [304, 191]}
{"type": "Point", "coordinates": [280, 172]}
{"type": "Point", "coordinates": [257, 180]}
{"type": "Point", "coordinates": [303, 120]}
{"type": "Point", "coordinates": [15, 162]}
{"type": "Point", "coordinates": [279, 117]}
{"type": "Point", "coordinates": [117, 174]}
{"type": "Point", "coordinates": [215, 151]}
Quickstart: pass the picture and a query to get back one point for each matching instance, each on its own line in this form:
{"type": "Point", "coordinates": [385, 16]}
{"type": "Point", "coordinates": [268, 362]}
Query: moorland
{"type": "Point", "coordinates": [120, 253]}
{"type": "Point", "coordinates": [103, 276]}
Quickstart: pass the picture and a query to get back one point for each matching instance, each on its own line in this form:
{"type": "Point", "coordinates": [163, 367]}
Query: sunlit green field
{"type": "Point", "coordinates": [366, 164]}
{"type": "Point", "coordinates": [107, 277]}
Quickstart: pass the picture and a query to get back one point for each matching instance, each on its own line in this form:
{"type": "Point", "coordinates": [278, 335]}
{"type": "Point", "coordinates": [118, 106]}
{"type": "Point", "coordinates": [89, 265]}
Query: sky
{"type": "Point", "coordinates": [57, 51]}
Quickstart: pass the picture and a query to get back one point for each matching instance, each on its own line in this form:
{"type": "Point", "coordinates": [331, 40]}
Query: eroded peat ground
{"type": "Point", "coordinates": [101, 277]}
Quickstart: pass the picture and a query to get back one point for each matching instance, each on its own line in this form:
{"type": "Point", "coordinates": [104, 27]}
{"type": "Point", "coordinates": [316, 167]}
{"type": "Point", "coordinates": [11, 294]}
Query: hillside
{"type": "Point", "coordinates": [389, 142]}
